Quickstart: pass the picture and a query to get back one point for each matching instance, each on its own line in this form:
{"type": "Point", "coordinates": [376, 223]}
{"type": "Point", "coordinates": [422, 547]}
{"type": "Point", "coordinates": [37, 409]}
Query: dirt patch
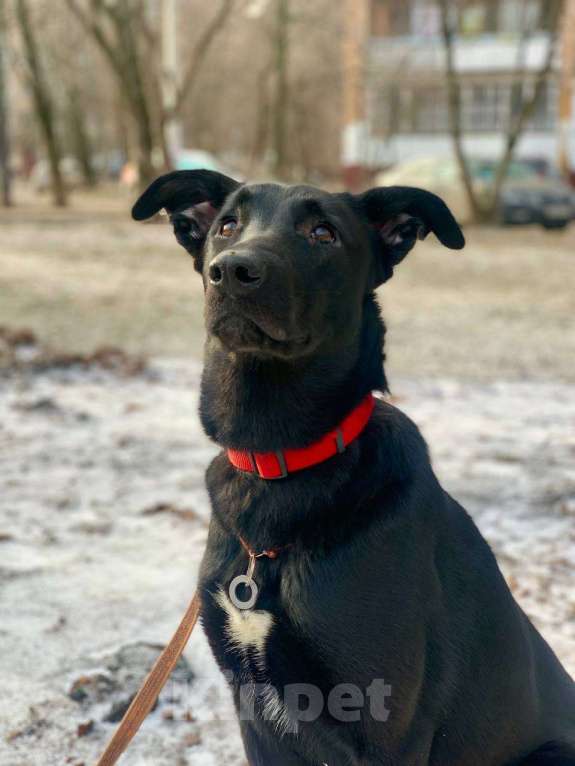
{"type": "Point", "coordinates": [502, 308]}
{"type": "Point", "coordinates": [22, 352]}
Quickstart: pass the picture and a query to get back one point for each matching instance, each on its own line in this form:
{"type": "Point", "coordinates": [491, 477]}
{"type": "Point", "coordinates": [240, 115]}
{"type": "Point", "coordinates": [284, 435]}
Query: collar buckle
{"type": "Point", "coordinates": [279, 456]}
{"type": "Point", "coordinates": [282, 464]}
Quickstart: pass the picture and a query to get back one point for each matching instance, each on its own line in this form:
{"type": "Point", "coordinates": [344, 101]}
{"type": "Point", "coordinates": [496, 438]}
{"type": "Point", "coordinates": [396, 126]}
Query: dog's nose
{"type": "Point", "coordinates": [236, 274]}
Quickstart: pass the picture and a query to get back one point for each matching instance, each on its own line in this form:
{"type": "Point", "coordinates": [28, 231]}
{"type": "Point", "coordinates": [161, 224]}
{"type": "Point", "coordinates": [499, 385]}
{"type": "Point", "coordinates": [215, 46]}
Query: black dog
{"type": "Point", "coordinates": [379, 629]}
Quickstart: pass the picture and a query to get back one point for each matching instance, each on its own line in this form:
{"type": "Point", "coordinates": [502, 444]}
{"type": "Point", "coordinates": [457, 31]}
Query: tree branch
{"type": "Point", "coordinates": [93, 28]}
{"type": "Point", "coordinates": [454, 107]}
{"type": "Point", "coordinates": [199, 54]}
{"type": "Point", "coordinates": [516, 127]}
{"type": "Point", "coordinates": [527, 105]}
{"type": "Point", "coordinates": [42, 99]}
{"type": "Point", "coordinates": [119, 43]}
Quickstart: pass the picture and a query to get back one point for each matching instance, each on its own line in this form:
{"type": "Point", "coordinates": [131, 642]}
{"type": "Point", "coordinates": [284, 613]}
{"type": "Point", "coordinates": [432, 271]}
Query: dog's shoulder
{"type": "Point", "coordinates": [395, 442]}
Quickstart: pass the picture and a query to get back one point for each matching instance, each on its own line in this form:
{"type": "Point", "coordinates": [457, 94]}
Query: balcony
{"type": "Point", "coordinates": [482, 54]}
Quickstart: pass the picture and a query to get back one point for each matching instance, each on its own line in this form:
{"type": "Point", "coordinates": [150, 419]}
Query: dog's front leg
{"type": "Point", "coordinates": [264, 751]}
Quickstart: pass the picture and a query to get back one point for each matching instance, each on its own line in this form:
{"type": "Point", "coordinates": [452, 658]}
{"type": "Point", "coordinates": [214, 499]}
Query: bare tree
{"type": "Point", "coordinates": [281, 96]}
{"type": "Point", "coordinates": [200, 52]}
{"type": "Point", "coordinates": [5, 170]}
{"type": "Point", "coordinates": [42, 99]}
{"type": "Point", "coordinates": [117, 30]}
{"type": "Point", "coordinates": [261, 122]}
{"type": "Point", "coordinates": [225, 75]}
{"type": "Point", "coordinates": [521, 111]}
{"type": "Point", "coordinates": [129, 43]}
{"type": "Point", "coordinates": [80, 139]}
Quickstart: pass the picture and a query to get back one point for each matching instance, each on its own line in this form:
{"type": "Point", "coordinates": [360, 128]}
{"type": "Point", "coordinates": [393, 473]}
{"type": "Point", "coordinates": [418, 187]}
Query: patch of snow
{"type": "Point", "coordinates": [95, 555]}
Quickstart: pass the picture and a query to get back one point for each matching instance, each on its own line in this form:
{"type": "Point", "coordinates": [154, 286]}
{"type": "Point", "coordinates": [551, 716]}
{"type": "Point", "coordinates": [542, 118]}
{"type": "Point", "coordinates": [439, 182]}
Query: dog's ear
{"type": "Point", "coordinates": [192, 199]}
{"type": "Point", "coordinates": [400, 215]}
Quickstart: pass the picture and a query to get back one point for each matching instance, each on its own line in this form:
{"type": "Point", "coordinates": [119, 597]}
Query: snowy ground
{"type": "Point", "coordinates": [103, 519]}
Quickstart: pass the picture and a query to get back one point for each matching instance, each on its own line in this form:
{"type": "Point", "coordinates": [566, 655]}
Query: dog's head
{"type": "Point", "coordinates": [286, 269]}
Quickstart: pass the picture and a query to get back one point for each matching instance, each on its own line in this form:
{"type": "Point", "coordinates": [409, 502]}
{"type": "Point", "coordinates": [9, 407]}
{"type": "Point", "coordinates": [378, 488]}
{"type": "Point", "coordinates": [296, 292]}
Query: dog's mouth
{"type": "Point", "coordinates": [243, 334]}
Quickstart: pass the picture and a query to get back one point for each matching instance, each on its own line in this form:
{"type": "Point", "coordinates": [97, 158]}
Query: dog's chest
{"type": "Point", "coordinates": [251, 643]}
{"type": "Point", "coordinates": [244, 629]}
{"type": "Point", "coordinates": [252, 640]}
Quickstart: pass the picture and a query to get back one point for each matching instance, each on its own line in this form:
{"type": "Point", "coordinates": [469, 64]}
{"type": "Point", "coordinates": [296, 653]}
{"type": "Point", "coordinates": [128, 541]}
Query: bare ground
{"type": "Point", "coordinates": [502, 308]}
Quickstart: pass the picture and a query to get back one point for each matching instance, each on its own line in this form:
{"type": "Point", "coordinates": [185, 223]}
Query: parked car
{"type": "Point", "coordinates": [531, 193]}
{"type": "Point", "coordinates": [197, 159]}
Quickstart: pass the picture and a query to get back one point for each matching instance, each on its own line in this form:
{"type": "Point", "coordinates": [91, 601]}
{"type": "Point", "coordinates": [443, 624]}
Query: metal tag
{"type": "Point", "coordinates": [248, 582]}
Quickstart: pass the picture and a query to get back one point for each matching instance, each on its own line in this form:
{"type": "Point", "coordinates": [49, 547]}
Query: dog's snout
{"type": "Point", "coordinates": [236, 274]}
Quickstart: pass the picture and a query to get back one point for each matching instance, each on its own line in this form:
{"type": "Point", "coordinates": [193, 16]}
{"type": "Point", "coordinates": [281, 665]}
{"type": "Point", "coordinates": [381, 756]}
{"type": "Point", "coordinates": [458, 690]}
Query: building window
{"type": "Point", "coordinates": [516, 16]}
{"type": "Point", "coordinates": [489, 107]}
{"type": "Point", "coordinates": [430, 110]}
{"type": "Point", "coordinates": [545, 114]}
{"type": "Point", "coordinates": [478, 18]}
{"type": "Point", "coordinates": [379, 23]}
{"type": "Point", "coordinates": [390, 18]}
{"type": "Point", "coordinates": [385, 111]}
{"type": "Point", "coordinates": [425, 18]}
{"type": "Point", "coordinates": [546, 13]}
{"type": "Point", "coordinates": [402, 18]}
{"type": "Point", "coordinates": [486, 107]}
{"type": "Point", "coordinates": [399, 18]}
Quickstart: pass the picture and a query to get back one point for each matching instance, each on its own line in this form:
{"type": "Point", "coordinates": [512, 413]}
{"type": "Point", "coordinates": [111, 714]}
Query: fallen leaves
{"type": "Point", "coordinates": [22, 351]}
{"type": "Point", "coordinates": [85, 728]}
{"type": "Point", "coordinates": [188, 514]}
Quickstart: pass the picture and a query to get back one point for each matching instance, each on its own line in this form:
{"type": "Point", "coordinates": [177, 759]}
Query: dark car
{"type": "Point", "coordinates": [533, 192]}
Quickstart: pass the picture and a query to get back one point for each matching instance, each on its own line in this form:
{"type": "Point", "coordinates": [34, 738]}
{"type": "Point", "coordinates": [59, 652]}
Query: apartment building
{"type": "Point", "coordinates": [401, 99]}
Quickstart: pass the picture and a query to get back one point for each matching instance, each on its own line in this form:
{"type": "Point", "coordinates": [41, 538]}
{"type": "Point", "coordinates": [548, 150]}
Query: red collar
{"type": "Point", "coordinates": [277, 465]}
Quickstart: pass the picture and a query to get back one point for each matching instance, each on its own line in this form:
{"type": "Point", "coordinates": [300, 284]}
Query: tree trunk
{"type": "Point", "coordinates": [42, 101]}
{"type": "Point", "coordinates": [119, 30]}
{"type": "Point", "coordinates": [478, 211]}
{"type": "Point", "coordinates": [138, 95]}
{"type": "Point", "coordinates": [261, 126]}
{"type": "Point", "coordinates": [144, 132]}
{"type": "Point", "coordinates": [528, 105]}
{"type": "Point", "coordinates": [80, 138]}
{"type": "Point", "coordinates": [488, 211]}
{"type": "Point", "coordinates": [5, 169]}
{"type": "Point", "coordinates": [120, 47]}
{"type": "Point", "coordinates": [280, 114]}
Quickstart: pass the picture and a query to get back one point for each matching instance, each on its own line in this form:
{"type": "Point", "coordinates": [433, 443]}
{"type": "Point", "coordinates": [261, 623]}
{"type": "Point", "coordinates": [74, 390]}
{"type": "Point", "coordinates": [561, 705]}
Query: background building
{"type": "Point", "coordinates": [500, 47]}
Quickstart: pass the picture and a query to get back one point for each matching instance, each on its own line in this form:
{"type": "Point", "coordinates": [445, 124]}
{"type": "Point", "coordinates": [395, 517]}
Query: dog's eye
{"type": "Point", "coordinates": [323, 234]}
{"type": "Point", "coordinates": [228, 227]}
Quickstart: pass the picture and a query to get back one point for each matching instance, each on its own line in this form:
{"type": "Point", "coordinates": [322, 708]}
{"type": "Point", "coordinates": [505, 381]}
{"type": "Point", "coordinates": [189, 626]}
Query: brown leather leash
{"type": "Point", "coordinates": [150, 690]}
{"type": "Point", "coordinates": [145, 699]}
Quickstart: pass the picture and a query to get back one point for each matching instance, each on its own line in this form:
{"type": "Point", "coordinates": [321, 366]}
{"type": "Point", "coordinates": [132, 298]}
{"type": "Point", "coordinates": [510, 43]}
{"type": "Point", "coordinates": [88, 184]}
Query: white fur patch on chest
{"type": "Point", "coordinates": [245, 627]}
